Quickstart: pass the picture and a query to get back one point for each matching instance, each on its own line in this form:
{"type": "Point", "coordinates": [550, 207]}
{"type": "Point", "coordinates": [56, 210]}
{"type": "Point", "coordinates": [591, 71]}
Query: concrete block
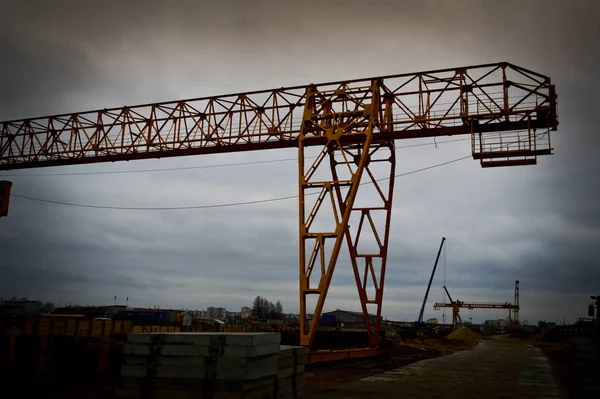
{"type": "Point", "coordinates": [184, 338]}
{"type": "Point", "coordinates": [285, 391]}
{"type": "Point", "coordinates": [188, 384]}
{"type": "Point", "coordinates": [178, 394]}
{"type": "Point", "coordinates": [181, 361]}
{"type": "Point", "coordinates": [246, 351]}
{"type": "Point", "coordinates": [300, 387]}
{"type": "Point", "coordinates": [242, 386]}
{"type": "Point", "coordinates": [181, 372]}
{"type": "Point", "coordinates": [259, 393]}
{"type": "Point", "coordinates": [185, 384]}
{"type": "Point", "coordinates": [206, 338]}
{"type": "Point", "coordinates": [138, 350]}
{"type": "Point", "coordinates": [286, 363]}
{"type": "Point", "coordinates": [283, 382]}
{"type": "Point", "coordinates": [134, 371]}
{"type": "Point", "coordinates": [286, 352]}
{"type": "Point", "coordinates": [298, 351]}
{"type": "Point", "coordinates": [184, 350]}
{"type": "Point", "coordinates": [163, 372]}
{"type": "Point", "coordinates": [246, 339]}
{"type": "Point", "coordinates": [140, 339]}
{"type": "Point", "coordinates": [283, 373]}
{"type": "Point", "coordinates": [131, 360]}
{"type": "Point", "coordinates": [122, 393]}
{"type": "Point", "coordinates": [126, 393]}
{"type": "Point", "coordinates": [229, 362]}
{"type": "Point", "coordinates": [245, 374]}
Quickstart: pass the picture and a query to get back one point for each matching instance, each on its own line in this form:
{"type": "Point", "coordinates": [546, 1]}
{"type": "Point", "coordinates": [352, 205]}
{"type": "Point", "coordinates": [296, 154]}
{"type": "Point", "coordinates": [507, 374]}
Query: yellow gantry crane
{"type": "Point", "coordinates": [513, 308]}
{"type": "Point", "coordinates": [507, 110]}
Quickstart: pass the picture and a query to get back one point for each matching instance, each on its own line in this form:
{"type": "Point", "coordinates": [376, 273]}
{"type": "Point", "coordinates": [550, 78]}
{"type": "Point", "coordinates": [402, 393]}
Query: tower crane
{"type": "Point", "coordinates": [507, 110]}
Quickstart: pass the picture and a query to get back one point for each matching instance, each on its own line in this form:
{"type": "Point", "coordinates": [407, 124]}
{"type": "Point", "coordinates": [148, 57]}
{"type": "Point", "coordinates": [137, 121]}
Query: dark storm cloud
{"type": "Point", "coordinates": [539, 225]}
{"type": "Point", "coordinates": [34, 75]}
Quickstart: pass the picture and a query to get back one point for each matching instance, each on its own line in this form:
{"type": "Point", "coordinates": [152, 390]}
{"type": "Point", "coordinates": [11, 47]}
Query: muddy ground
{"type": "Point", "coordinates": [321, 377]}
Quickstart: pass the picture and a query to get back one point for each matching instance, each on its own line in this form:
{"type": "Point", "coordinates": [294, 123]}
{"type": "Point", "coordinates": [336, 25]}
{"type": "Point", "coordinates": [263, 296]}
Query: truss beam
{"type": "Point", "coordinates": [469, 100]}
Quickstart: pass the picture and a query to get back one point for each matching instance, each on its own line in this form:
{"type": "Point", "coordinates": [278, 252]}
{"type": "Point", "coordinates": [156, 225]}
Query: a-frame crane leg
{"type": "Point", "coordinates": [372, 224]}
{"type": "Point", "coordinates": [344, 120]}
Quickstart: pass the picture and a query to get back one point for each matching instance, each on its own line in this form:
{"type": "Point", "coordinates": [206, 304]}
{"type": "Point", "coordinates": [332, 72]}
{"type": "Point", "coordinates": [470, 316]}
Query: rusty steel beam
{"type": "Point", "coordinates": [467, 100]}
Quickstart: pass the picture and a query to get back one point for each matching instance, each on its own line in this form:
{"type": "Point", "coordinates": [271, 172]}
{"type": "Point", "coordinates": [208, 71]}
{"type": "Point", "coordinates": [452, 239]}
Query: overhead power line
{"type": "Point", "coordinates": [118, 172]}
{"type": "Point", "coordinates": [219, 205]}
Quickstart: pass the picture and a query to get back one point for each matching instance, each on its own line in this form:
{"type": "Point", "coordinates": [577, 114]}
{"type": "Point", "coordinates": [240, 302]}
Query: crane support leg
{"type": "Point", "coordinates": [372, 226]}
{"type": "Point", "coordinates": [346, 118]}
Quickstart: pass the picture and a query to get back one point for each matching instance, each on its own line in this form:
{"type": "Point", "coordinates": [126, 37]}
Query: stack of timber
{"type": "Point", "coordinates": [200, 365]}
{"type": "Point", "coordinates": [290, 377]}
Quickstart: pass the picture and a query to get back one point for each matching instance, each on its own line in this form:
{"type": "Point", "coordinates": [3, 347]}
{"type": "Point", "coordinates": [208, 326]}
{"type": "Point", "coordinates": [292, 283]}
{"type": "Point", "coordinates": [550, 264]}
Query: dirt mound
{"type": "Point", "coordinates": [464, 334]}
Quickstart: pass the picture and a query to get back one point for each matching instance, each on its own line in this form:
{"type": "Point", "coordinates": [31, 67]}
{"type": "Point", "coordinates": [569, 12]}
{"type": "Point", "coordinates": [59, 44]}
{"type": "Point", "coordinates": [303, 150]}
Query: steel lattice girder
{"type": "Point", "coordinates": [497, 97]}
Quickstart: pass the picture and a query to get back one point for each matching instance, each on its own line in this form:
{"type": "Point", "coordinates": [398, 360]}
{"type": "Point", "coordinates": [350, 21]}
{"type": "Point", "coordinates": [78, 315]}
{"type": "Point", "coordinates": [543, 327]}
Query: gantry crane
{"type": "Point", "coordinates": [457, 305]}
{"type": "Point", "coordinates": [507, 110]}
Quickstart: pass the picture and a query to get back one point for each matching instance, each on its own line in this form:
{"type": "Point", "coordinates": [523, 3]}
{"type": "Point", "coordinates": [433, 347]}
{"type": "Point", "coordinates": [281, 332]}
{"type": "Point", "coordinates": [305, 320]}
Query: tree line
{"type": "Point", "coordinates": [264, 309]}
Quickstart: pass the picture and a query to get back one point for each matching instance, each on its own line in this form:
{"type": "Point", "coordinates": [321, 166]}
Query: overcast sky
{"type": "Point", "coordinates": [538, 224]}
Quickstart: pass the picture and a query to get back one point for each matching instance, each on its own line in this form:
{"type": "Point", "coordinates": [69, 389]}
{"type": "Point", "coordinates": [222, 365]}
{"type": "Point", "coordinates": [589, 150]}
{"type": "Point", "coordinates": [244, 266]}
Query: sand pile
{"type": "Point", "coordinates": [464, 334]}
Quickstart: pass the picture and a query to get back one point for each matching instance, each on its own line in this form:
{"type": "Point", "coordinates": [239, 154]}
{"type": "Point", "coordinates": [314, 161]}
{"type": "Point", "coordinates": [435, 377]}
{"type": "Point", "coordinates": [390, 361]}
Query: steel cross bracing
{"type": "Point", "coordinates": [508, 111]}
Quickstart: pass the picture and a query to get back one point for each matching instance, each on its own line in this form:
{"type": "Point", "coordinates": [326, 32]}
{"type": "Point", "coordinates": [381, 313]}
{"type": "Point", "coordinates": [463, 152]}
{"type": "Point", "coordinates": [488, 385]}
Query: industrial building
{"type": "Point", "coordinates": [346, 316]}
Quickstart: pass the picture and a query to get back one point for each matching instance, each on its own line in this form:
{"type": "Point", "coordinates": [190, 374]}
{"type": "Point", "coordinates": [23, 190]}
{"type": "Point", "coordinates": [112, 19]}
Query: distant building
{"type": "Point", "coordinates": [546, 325]}
{"type": "Point", "coordinates": [232, 315]}
{"type": "Point", "coordinates": [21, 307]}
{"type": "Point", "coordinates": [246, 312]}
{"type": "Point", "coordinates": [291, 316]}
{"type": "Point", "coordinates": [346, 316]}
{"type": "Point", "coordinates": [499, 323]}
{"type": "Point", "coordinates": [433, 320]}
{"type": "Point", "coordinates": [216, 313]}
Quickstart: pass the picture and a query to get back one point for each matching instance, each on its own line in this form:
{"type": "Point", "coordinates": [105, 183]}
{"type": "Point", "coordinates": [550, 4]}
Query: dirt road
{"type": "Point", "coordinates": [496, 368]}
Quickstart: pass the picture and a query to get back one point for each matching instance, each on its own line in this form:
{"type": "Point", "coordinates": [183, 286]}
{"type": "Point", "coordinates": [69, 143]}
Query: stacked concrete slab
{"type": "Point", "coordinates": [290, 377]}
{"type": "Point", "coordinates": [200, 365]}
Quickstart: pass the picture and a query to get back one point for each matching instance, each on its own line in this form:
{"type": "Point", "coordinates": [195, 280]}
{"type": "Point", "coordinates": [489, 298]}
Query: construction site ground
{"type": "Point", "coordinates": [499, 367]}
{"type": "Point", "coordinates": [321, 377]}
